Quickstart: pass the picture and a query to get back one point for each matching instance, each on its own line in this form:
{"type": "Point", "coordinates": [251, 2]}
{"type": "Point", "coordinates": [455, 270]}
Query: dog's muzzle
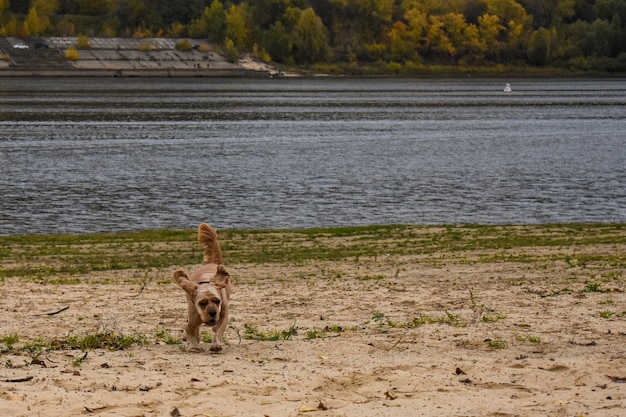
{"type": "Point", "coordinates": [212, 318]}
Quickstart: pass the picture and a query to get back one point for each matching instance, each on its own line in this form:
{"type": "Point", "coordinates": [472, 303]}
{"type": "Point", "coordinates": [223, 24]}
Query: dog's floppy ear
{"type": "Point", "coordinates": [183, 281]}
{"type": "Point", "coordinates": [222, 277]}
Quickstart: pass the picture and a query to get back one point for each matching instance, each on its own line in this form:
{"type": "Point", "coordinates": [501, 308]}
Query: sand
{"type": "Point", "coordinates": [380, 336]}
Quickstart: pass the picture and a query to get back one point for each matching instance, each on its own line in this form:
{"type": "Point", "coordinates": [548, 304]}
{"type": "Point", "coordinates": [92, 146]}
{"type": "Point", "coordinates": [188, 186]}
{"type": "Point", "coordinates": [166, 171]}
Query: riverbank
{"type": "Point", "coordinates": [381, 320]}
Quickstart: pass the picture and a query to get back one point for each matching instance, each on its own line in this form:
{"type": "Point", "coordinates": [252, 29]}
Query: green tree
{"type": "Point", "coordinates": [435, 7]}
{"type": "Point", "coordinates": [569, 43]}
{"type": "Point", "coordinates": [212, 23]}
{"type": "Point", "coordinates": [599, 39]}
{"type": "Point", "coordinates": [230, 50]}
{"type": "Point", "coordinates": [548, 13]}
{"type": "Point", "coordinates": [268, 12]}
{"type": "Point", "coordinates": [277, 42]}
{"type": "Point", "coordinates": [539, 47]}
{"type": "Point", "coordinates": [45, 7]}
{"type": "Point", "coordinates": [93, 7]}
{"type": "Point", "coordinates": [310, 38]}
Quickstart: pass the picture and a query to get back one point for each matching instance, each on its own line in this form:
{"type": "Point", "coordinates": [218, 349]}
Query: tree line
{"type": "Point", "coordinates": [578, 35]}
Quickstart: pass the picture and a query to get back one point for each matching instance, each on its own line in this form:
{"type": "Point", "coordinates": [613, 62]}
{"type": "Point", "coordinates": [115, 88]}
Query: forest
{"type": "Point", "coordinates": [401, 36]}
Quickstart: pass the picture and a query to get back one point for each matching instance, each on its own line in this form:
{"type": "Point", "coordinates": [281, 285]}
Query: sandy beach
{"type": "Point", "coordinates": [473, 333]}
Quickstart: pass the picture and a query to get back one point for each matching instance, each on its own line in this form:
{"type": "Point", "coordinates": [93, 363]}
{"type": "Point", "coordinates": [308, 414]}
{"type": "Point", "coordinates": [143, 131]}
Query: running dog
{"type": "Point", "coordinates": [208, 291]}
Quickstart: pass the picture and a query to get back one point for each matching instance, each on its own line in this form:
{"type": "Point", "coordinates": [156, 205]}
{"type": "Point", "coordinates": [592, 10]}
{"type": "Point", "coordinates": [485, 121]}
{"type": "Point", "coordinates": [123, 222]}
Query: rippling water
{"type": "Point", "coordinates": [85, 155]}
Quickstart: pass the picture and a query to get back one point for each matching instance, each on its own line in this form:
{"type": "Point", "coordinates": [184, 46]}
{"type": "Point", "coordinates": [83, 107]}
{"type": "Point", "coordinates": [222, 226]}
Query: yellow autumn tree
{"type": "Point", "coordinates": [32, 24]}
{"type": "Point", "coordinates": [236, 28]}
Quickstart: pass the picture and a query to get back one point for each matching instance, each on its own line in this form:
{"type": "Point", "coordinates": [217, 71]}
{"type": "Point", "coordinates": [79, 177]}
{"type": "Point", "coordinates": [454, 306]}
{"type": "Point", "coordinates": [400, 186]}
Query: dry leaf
{"type": "Point", "coordinates": [307, 409]}
{"type": "Point", "coordinates": [15, 398]}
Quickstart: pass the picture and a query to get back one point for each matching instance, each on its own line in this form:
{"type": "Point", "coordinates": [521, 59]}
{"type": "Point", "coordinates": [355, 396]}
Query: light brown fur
{"type": "Point", "coordinates": [208, 292]}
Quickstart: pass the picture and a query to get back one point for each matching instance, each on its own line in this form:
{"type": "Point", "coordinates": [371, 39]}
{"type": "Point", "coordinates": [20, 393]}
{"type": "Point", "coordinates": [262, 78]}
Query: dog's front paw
{"type": "Point", "coordinates": [196, 349]}
{"type": "Point", "coordinates": [215, 348]}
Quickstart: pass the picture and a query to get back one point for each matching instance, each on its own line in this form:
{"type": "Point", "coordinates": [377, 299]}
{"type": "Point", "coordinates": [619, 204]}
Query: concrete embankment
{"type": "Point", "coordinates": [118, 57]}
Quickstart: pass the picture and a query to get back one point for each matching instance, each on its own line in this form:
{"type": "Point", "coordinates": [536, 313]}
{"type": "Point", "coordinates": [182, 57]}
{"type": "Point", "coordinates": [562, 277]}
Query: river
{"type": "Point", "coordinates": [105, 155]}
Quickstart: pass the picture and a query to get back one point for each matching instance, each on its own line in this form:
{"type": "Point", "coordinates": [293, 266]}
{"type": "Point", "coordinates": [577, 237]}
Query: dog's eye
{"type": "Point", "coordinates": [203, 303]}
{"type": "Point", "coordinates": [217, 302]}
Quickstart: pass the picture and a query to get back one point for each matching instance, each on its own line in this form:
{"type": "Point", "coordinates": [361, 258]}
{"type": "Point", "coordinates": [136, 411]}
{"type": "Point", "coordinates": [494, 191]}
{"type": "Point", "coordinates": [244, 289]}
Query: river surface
{"type": "Point", "coordinates": [101, 155]}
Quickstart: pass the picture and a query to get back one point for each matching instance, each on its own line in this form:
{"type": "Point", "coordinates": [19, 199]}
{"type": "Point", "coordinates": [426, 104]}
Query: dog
{"type": "Point", "coordinates": [208, 292]}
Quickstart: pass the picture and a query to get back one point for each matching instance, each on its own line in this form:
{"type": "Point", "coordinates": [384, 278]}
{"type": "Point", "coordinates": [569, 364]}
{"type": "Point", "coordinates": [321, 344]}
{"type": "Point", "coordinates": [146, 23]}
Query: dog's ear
{"type": "Point", "coordinates": [183, 281]}
{"type": "Point", "coordinates": [222, 277]}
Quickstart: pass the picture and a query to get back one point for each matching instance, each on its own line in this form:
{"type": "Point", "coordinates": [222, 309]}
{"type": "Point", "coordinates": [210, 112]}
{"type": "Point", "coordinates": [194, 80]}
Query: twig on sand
{"type": "Point", "coordinates": [26, 379]}
{"type": "Point", "coordinates": [146, 281]}
{"type": "Point", "coordinates": [54, 312]}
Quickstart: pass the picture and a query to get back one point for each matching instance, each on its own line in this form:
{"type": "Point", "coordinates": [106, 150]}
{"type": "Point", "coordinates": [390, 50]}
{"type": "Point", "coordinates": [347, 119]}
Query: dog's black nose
{"type": "Point", "coordinates": [212, 313]}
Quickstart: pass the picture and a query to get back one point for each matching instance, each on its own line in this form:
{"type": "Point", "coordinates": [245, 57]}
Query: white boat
{"type": "Point", "coordinates": [507, 88]}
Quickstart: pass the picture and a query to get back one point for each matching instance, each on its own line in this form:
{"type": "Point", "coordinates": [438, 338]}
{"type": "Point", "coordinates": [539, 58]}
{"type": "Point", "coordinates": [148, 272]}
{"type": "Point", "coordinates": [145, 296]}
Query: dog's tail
{"type": "Point", "coordinates": [207, 237]}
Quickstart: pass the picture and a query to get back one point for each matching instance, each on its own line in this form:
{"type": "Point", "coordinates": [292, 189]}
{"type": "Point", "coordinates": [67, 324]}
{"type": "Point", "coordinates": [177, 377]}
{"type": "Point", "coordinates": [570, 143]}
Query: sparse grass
{"type": "Point", "coordinates": [253, 333]}
{"type": "Point", "coordinates": [595, 287]}
{"type": "Point", "coordinates": [530, 338]}
{"type": "Point", "coordinates": [161, 334]}
{"type": "Point", "coordinates": [496, 344]}
{"type": "Point", "coordinates": [39, 257]}
{"type": "Point", "coordinates": [479, 310]}
{"type": "Point", "coordinates": [103, 340]}
{"type": "Point", "coordinates": [9, 340]}
{"type": "Point", "coordinates": [327, 331]}
{"type": "Point", "coordinates": [606, 314]}
{"type": "Point", "coordinates": [493, 318]}
{"type": "Point", "coordinates": [377, 277]}
{"type": "Point", "coordinates": [448, 318]}
{"type": "Point", "coordinates": [207, 337]}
